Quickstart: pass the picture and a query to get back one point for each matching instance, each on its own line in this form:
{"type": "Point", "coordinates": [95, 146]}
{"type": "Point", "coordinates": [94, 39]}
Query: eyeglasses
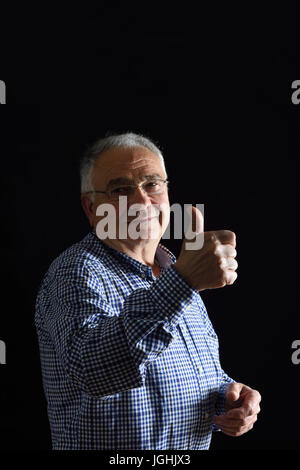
{"type": "Point", "coordinates": [152, 187]}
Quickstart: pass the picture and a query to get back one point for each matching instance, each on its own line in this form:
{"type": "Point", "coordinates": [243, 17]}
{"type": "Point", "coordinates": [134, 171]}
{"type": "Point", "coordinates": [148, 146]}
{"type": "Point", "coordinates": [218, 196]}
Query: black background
{"type": "Point", "coordinates": [214, 92]}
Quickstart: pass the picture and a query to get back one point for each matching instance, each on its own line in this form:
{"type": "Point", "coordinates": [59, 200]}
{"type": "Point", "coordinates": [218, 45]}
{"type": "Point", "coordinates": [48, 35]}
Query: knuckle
{"type": "Point", "coordinates": [231, 277]}
{"type": "Point", "coordinates": [212, 237]}
{"type": "Point", "coordinates": [233, 236]}
{"type": "Point", "coordinates": [221, 261]}
{"type": "Point", "coordinates": [240, 416]}
{"type": "Point", "coordinates": [216, 249]}
{"type": "Point", "coordinates": [232, 264]}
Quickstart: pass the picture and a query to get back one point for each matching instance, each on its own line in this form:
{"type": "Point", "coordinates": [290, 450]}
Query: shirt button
{"type": "Point", "coordinates": [206, 415]}
{"type": "Point", "coordinates": [200, 368]}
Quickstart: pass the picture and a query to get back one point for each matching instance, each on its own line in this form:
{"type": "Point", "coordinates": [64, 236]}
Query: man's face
{"type": "Point", "coordinates": [119, 167]}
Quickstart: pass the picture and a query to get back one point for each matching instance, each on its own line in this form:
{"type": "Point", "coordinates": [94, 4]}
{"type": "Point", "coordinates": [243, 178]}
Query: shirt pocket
{"type": "Point", "coordinates": [212, 343]}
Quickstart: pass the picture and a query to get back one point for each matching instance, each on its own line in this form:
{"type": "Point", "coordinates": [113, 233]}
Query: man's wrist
{"type": "Point", "coordinates": [171, 294]}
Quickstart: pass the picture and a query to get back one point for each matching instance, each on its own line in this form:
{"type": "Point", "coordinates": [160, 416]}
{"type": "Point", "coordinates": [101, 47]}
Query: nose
{"type": "Point", "coordinates": [140, 196]}
{"type": "Point", "coordinates": [139, 201]}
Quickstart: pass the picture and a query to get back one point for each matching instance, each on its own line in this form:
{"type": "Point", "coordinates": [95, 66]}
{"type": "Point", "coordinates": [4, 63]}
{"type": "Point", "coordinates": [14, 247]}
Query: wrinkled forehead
{"type": "Point", "coordinates": [130, 163]}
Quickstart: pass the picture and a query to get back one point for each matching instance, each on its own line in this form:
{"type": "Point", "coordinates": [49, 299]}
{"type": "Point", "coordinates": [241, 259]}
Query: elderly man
{"type": "Point", "coordinates": [129, 356]}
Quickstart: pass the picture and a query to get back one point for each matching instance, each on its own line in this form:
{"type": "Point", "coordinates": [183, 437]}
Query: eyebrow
{"type": "Point", "coordinates": [116, 181]}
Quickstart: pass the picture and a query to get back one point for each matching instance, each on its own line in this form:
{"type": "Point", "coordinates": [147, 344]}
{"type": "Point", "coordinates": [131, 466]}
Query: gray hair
{"type": "Point", "coordinates": [128, 139]}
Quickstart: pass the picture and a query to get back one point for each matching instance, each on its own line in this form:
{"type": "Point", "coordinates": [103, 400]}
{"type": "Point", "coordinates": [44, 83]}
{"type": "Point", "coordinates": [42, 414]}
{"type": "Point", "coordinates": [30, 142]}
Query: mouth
{"type": "Point", "coordinates": [146, 219]}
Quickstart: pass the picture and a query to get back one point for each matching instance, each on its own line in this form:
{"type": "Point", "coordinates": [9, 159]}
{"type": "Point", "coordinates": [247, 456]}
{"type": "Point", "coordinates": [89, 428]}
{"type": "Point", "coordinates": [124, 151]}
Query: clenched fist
{"type": "Point", "coordinates": [213, 265]}
{"type": "Point", "coordinates": [242, 408]}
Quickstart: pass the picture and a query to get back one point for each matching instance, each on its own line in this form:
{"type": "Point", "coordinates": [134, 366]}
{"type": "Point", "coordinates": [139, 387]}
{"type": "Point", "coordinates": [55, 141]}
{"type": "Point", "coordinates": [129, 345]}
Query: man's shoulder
{"type": "Point", "coordinates": [81, 266]}
{"type": "Point", "coordinates": [84, 254]}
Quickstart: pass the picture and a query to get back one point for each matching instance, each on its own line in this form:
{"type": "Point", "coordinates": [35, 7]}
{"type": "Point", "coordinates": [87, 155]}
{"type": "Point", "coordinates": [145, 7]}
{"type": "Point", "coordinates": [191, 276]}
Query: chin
{"type": "Point", "coordinates": [150, 230]}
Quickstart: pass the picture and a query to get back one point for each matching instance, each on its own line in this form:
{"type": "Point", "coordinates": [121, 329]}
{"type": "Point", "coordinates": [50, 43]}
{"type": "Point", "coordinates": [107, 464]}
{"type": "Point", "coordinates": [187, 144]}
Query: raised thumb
{"type": "Point", "coordinates": [233, 392]}
{"type": "Point", "coordinates": [233, 396]}
{"type": "Point", "coordinates": [194, 228]}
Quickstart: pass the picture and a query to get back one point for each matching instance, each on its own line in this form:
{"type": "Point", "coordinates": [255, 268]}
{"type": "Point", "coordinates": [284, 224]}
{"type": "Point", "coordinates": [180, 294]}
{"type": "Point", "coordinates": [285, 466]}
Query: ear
{"type": "Point", "coordinates": [88, 206]}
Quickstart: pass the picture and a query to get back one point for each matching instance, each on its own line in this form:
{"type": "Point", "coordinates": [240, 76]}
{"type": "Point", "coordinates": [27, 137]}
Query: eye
{"type": "Point", "coordinates": [123, 189]}
{"type": "Point", "coordinates": [154, 186]}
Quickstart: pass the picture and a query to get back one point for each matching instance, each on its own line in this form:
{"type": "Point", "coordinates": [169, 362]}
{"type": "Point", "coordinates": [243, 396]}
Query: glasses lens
{"type": "Point", "coordinates": [150, 187]}
{"type": "Point", "coordinates": [120, 191]}
{"type": "Point", "coordinates": [153, 187]}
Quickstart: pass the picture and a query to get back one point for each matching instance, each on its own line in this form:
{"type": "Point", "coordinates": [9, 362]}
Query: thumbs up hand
{"type": "Point", "coordinates": [213, 264]}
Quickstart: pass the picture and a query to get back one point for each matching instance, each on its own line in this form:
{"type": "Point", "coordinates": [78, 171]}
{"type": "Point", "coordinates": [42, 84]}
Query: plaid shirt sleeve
{"type": "Point", "coordinates": [220, 403]}
{"type": "Point", "coordinates": [104, 354]}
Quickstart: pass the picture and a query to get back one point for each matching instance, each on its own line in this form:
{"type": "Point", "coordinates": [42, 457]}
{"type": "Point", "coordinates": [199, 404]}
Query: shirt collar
{"type": "Point", "coordinates": [163, 256]}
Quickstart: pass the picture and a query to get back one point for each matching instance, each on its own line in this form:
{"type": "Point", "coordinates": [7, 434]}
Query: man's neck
{"type": "Point", "coordinates": [144, 253]}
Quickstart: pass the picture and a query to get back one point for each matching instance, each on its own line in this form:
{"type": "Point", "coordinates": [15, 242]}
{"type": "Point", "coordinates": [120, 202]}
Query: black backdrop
{"type": "Point", "coordinates": [217, 98]}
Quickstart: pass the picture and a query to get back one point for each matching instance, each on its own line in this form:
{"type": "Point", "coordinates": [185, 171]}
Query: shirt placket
{"type": "Point", "coordinates": [199, 372]}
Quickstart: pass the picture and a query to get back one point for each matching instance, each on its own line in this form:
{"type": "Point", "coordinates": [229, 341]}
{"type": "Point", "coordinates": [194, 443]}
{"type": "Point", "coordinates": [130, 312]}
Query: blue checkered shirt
{"type": "Point", "coordinates": [129, 361]}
